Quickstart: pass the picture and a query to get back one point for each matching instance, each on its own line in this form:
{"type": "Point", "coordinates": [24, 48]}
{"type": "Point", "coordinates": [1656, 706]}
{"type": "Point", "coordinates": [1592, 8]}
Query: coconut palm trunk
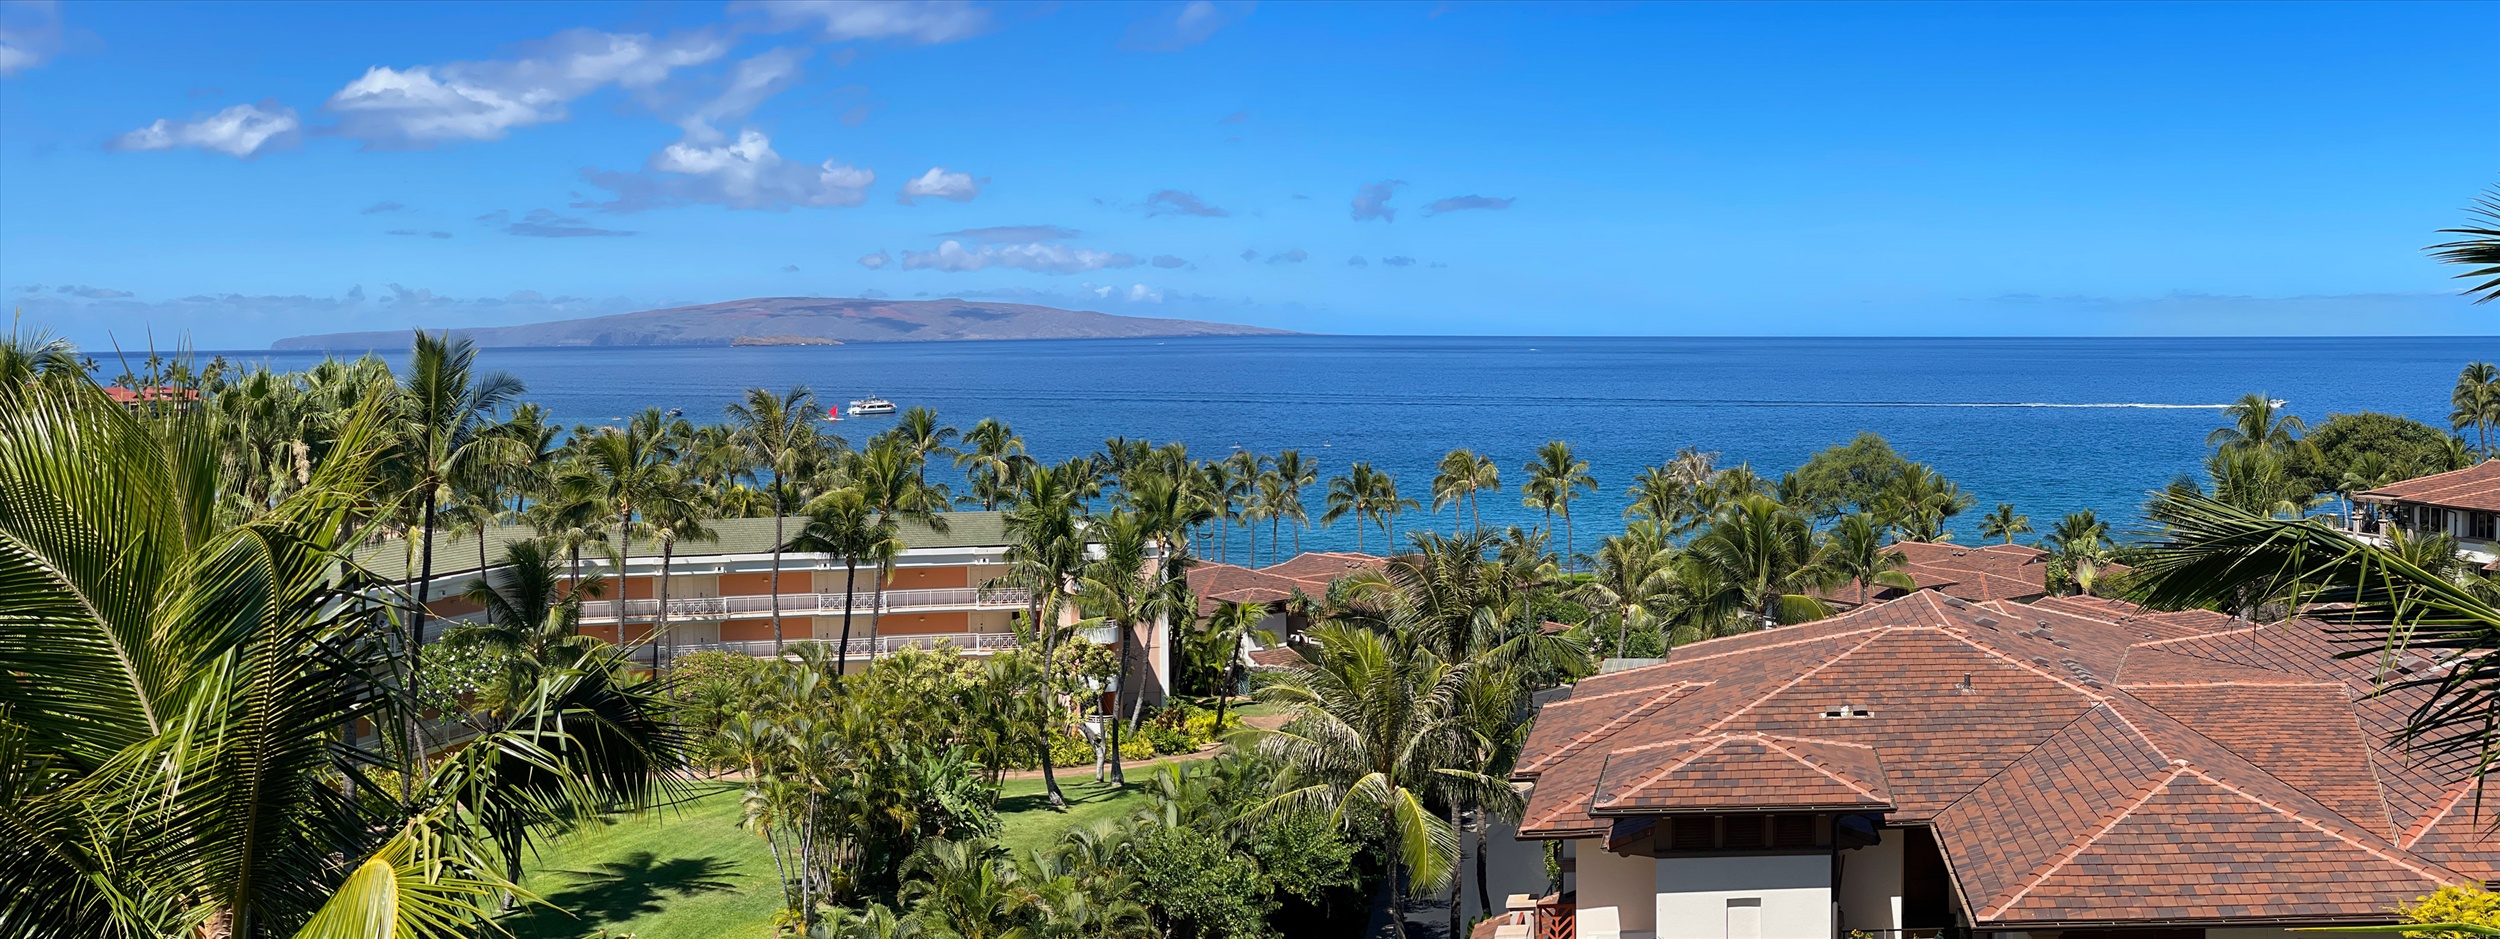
{"type": "Point", "coordinates": [778, 512]}
{"type": "Point", "coordinates": [1119, 693]}
{"type": "Point", "coordinates": [668, 551]}
{"type": "Point", "coordinates": [842, 653]}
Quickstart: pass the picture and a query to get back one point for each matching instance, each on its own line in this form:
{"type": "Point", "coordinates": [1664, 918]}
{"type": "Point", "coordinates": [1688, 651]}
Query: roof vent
{"type": "Point", "coordinates": [1965, 687]}
{"type": "Point", "coordinates": [1955, 602]}
{"type": "Point", "coordinates": [1988, 621]}
{"type": "Point", "coordinates": [1846, 710]}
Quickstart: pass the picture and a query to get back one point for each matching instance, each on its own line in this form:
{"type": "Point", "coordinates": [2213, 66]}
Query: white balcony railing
{"type": "Point", "coordinates": [809, 604]}
{"type": "Point", "coordinates": [861, 647]}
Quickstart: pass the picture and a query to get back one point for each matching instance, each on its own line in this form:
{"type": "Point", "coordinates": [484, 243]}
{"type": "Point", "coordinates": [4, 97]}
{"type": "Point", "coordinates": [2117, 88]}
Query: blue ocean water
{"type": "Point", "coordinates": [2051, 425]}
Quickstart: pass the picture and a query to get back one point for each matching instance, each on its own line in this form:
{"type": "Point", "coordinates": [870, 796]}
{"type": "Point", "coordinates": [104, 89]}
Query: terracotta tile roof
{"type": "Point", "coordinates": [1276, 657]}
{"type": "Point", "coordinates": [2475, 487]}
{"type": "Point", "coordinates": [1215, 584]}
{"type": "Point", "coordinates": [1981, 572]}
{"type": "Point", "coordinates": [1742, 772]}
{"type": "Point", "coordinates": [128, 396]}
{"type": "Point", "coordinates": [1315, 570]}
{"type": "Point", "coordinates": [2082, 761]}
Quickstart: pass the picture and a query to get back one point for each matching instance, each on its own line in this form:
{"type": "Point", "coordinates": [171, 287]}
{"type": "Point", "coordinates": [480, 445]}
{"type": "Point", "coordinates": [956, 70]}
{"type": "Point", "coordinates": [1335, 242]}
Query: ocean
{"type": "Point", "coordinates": [2050, 425]}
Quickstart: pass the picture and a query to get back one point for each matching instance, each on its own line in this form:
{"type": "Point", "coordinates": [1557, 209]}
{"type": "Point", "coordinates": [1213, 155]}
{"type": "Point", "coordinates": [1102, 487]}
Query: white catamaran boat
{"type": "Point", "coordinates": [871, 405]}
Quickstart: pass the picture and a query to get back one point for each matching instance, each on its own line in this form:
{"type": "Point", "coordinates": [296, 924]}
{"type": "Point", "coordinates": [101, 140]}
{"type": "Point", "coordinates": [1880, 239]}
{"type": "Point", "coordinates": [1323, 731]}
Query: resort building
{"type": "Point", "coordinates": [2464, 503]}
{"type": "Point", "coordinates": [1309, 574]}
{"type": "Point", "coordinates": [2072, 767]}
{"type": "Point", "coordinates": [720, 593]}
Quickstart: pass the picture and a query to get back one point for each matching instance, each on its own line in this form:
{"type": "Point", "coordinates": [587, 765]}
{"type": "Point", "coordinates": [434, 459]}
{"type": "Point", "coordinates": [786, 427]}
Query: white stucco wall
{"type": "Point", "coordinates": [1870, 884]}
{"type": "Point", "coordinates": [1703, 897]}
{"type": "Point", "coordinates": [1629, 884]}
{"type": "Point", "coordinates": [1511, 866]}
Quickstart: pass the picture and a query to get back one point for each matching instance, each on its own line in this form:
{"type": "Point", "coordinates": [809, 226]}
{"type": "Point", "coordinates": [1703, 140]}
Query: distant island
{"type": "Point", "coordinates": [782, 321]}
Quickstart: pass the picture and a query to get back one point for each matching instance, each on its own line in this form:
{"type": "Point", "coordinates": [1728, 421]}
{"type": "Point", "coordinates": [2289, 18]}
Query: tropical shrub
{"type": "Point", "coordinates": [2453, 904]}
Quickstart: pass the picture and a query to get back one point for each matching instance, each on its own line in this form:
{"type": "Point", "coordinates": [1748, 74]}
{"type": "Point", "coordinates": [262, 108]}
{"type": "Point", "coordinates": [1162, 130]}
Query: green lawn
{"type": "Point", "coordinates": [1026, 821]}
{"type": "Point", "coordinates": [686, 872]}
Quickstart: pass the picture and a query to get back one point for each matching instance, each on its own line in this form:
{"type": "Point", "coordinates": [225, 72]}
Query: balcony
{"type": "Point", "coordinates": [861, 647]}
{"type": "Point", "coordinates": [809, 604]}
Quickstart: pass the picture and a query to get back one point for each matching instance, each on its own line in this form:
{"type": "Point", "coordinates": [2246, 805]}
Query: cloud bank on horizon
{"type": "Point", "coordinates": [242, 172]}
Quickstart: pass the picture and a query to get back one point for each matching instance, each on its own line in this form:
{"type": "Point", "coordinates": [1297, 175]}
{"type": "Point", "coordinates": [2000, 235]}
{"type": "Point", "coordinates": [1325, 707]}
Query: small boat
{"type": "Point", "coordinates": [871, 405]}
{"type": "Point", "coordinates": [833, 414]}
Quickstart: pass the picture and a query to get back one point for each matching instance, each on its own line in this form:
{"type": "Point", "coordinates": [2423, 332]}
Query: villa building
{"type": "Point", "coordinates": [1309, 574]}
{"type": "Point", "coordinates": [720, 593]}
{"type": "Point", "coordinates": [2464, 503]}
{"type": "Point", "coordinates": [2072, 767]}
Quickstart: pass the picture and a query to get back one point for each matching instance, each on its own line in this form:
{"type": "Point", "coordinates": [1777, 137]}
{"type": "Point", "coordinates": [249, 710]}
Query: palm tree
{"type": "Point", "coordinates": [2479, 250]}
{"type": "Point", "coordinates": [1916, 501]}
{"type": "Point", "coordinates": [1855, 551]}
{"type": "Point", "coordinates": [2476, 402]}
{"type": "Point", "coordinates": [779, 430]}
{"type": "Point", "coordinates": [1372, 737]}
{"type": "Point", "coordinates": [1453, 483]}
{"type": "Point", "coordinates": [2003, 523]}
{"type": "Point", "coordinates": [1488, 479]}
{"type": "Point", "coordinates": [966, 888]}
{"type": "Point", "coordinates": [622, 470]}
{"type": "Point", "coordinates": [1123, 588]}
{"type": "Point", "coordinates": [1045, 551]}
{"type": "Point", "coordinates": [918, 433]}
{"type": "Point", "coordinates": [1555, 479]}
{"type": "Point", "coordinates": [1231, 627]}
{"type": "Point", "coordinates": [888, 476]}
{"type": "Point", "coordinates": [675, 511]}
{"type": "Point", "coordinates": [2080, 544]}
{"type": "Point", "coordinates": [532, 619]}
{"type": "Point", "coordinates": [177, 681]}
{"type": "Point", "coordinates": [1662, 496]}
{"type": "Point", "coordinates": [1368, 495]}
{"type": "Point", "coordinates": [842, 523]}
{"type": "Point", "coordinates": [2257, 422]}
{"type": "Point", "coordinates": [445, 427]}
{"type": "Point", "coordinates": [1767, 553]}
{"type": "Point", "coordinates": [1634, 571]}
{"type": "Point", "coordinates": [1293, 474]}
{"type": "Point", "coordinates": [996, 456]}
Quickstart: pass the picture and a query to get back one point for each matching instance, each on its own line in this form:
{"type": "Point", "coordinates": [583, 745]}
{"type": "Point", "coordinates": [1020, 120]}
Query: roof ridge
{"type": "Point", "coordinates": [1811, 764]}
{"type": "Point", "coordinates": [1879, 633]}
{"type": "Point", "coordinates": [1822, 740]}
{"type": "Point", "coordinates": [2421, 829]}
{"type": "Point", "coordinates": [2075, 848]}
{"type": "Point", "coordinates": [2269, 773]}
{"type": "Point", "coordinates": [2016, 761]}
{"type": "Point", "coordinates": [2237, 684]}
{"type": "Point", "coordinates": [1775, 645]}
{"type": "Point", "coordinates": [2024, 664]}
{"type": "Point", "coordinates": [1664, 771]}
{"type": "Point", "coordinates": [2250, 628]}
{"type": "Point", "coordinates": [2321, 825]}
{"type": "Point", "coordinates": [1538, 765]}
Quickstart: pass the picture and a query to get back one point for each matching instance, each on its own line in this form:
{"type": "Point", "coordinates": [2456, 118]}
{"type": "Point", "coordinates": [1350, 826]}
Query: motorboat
{"type": "Point", "coordinates": [871, 405]}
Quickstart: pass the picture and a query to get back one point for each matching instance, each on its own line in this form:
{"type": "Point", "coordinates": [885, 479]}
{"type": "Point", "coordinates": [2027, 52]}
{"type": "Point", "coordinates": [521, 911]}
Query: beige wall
{"type": "Point", "coordinates": [1630, 884]}
{"type": "Point", "coordinates": [1870, 884]}
{"type": "Point", "coordinates": [1782, 896]}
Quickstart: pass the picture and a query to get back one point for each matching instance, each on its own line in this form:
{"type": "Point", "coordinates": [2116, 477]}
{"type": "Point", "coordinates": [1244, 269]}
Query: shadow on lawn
{"type": "Point", "coordinates": [638, 885]}
{"type": "Point", "coordinates": [1084, 793]}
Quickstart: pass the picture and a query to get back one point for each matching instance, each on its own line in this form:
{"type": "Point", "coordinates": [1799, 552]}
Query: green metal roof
{"type": "Point", "coordinates": [454, 553]}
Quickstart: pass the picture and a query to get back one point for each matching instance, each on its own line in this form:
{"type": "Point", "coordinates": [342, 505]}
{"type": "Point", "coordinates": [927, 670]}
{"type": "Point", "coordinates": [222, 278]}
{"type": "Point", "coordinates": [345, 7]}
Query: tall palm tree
{"type": "Point", "coordinates": [177, 682]}
{"type": "Point", "coordinates": [1488, 479]}
{"type": "Point", "coordinates": [622, 470]}
{"type": "Point", "coordinates": [2257, 422]}
{"type": "Point", "coordinates": [1045, 551]}
{"type": "Point", "coordinates": [2479, 250]}
{"type": "Point", "coordinates": [995, 455]}
{"type": "Point", "coordinates": [446, 416]}
{"type": "Point", "coordinates": [1371, 739]}
{"type": "Point", "coordinates": [1767, 553]}
{"type": "Point", "coordinates": [842, 523]}
{"type": "Point", "coordinates": [1294, 473]}
{"type": "Point", "coordinates": [919, 434]}
{"type": "Point", "coordinates": [1368, 495]}
{"type": "Point", "coordinates": [779, 430]}
{"type": "Point", "coordinates": [2003, 523]}
{"type": "Point", "coordinates": [1230, 629]}
{"type": "Point", "coordinates": [531, 617]}
{"type": "Point", "coordinates": [2476, 402]}
{"type": "Point", "coordinates": [1662, 496]}
{"type": "Point", "coordinates": [1555, 479]}
{"type": "Point", "coordinates": [1123, 587]}
{"type": "Point", "coordinates": [1453, 482]}
{"type": "Point", "coordinates": [1917, 500]}
{"type": "Point", "coordinates": [2080, 543]}
{"type": "Point", "coordinates": [1634, 571]}
{"type": "Point", "coordinates": [1855, 551]}
{"type": "Point", "coordinates": [677, 510]}
{"type": "Point", "coordinates": [888, 476]}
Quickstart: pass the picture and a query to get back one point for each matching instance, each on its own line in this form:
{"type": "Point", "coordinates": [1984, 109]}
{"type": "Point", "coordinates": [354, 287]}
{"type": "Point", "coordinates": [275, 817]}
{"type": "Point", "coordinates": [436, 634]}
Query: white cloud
{"type": "Point", "coordinates": [937, 183]}
{"type": "Point", "coordinates": [30, 31]}
{"type": "Point", "coordinates": [951, 255]}
{"type": "Point", "coordinates": [425, 105]}
{"type": "Point", "coordinates": [750, 84]}
{"type": "Point", "coordinates": [1133, 293]}
{"type": "Point", "coordinates": [921, 21]}
{"type": "Point", "coordinates": [1192, 23]}
{"type": "Point", "coordinates": [240, 131]}
{"type": "Point", "coordinates": [876, 261]}
{"type": "Point", "coordinates": [746, 174]}
{"type": "Point", "coordinates": [1371, 200]}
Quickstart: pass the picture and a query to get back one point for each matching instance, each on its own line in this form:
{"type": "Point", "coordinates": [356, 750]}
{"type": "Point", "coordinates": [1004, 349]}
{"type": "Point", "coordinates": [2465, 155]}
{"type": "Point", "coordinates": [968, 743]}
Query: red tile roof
{"type": "Point", "coordinates": [1215, 584]}
{"type": "Point", "coordinates": [1742, 772]}
{"type": "Point", "coordinates": [2082, 761]}
{"type": "Point", "coordinates": [2475, 487]}
{"type": "Point", "coordinates": [126, 396]}
{"type": "Point", "coordinates": [1315, 570]}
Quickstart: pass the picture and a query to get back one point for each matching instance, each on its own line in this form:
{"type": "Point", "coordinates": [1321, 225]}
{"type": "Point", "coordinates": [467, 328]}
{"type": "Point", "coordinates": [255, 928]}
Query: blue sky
{"type": "Point", "coordinates": [236, 173]}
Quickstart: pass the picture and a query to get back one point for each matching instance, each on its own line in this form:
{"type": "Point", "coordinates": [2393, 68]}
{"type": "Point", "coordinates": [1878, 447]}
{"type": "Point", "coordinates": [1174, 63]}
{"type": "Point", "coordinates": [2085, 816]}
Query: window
{"type": "Point", "coordinates": [1695, 834]}
{"type": "Point", "coordinates": [2478, 525]}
